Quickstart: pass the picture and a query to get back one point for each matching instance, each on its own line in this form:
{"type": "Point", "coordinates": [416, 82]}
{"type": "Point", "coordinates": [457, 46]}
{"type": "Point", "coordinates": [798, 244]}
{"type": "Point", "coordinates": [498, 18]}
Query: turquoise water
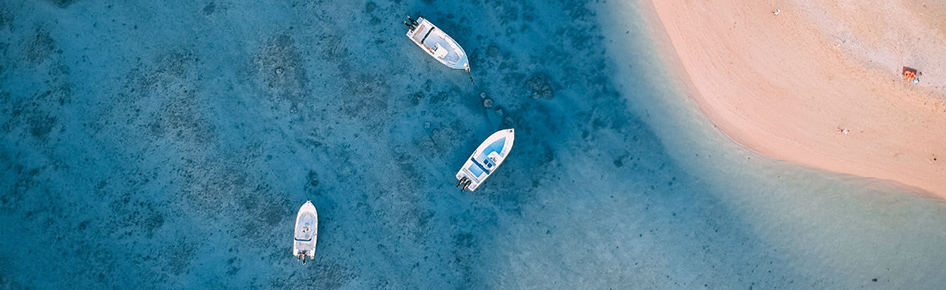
{"type": "Point", "coordinates": [169, 145]}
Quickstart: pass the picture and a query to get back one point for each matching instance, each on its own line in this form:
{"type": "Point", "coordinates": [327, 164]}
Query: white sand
{"type": "Point", "coordinates": [788, 85]}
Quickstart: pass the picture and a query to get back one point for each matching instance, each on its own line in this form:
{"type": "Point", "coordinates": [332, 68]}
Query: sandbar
{"type": "Point", "coordinates": [819, 83]}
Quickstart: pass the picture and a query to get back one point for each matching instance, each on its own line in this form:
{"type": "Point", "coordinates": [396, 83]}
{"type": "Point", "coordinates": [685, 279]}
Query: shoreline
{"type": "Point", "coordinates": [749, 78]}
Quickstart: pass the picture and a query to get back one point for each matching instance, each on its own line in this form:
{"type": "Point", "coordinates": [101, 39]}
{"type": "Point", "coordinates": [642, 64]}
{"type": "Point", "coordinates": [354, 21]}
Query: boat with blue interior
{"type": "Point", "coordinates": [484, 161]}
{"type": "Point", "coordinates": [306, 232]}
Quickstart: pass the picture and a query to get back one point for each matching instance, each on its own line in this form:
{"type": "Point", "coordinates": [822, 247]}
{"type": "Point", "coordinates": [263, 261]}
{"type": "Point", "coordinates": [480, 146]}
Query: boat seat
{"type": "Point", "coordinates": [489, 163]}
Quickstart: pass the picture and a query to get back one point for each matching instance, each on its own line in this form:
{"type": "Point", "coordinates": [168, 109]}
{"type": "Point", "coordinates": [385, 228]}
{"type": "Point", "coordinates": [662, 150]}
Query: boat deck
{"type": "Point", "coordinates": [305, 231]}
{"type": "Point", "coordinates": [433, 40]}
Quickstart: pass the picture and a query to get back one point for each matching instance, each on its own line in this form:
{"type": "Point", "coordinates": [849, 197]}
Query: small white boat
{"type": "Point", "coordinates": [437, 44]}
{"type": "Point", "coordinates": [306, 232]}
{"type": "Point", "coordinates": [485, 159]}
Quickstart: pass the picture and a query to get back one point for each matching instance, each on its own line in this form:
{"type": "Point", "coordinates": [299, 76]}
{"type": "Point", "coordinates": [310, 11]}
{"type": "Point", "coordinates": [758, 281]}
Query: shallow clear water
{"type": "Point", "coordinates": [169, 146]}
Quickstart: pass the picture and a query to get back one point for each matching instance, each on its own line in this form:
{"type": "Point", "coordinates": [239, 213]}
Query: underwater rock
{"type": "Point", "coordinates": [41, 126]}
{"type": "Point", "coordinates": [508, 121]}
{"type": "Point", "coordinates": [62, 3]}
{"type": "Point", "coordinates": [40, 47]}
{"type": "Point", "coordinates": [4, 19]}
{"type": "Point", "coordinates": [492, 51]}
{"type": "Point", "coordinates": [279, 67]}
{"type": "Point", "coordinates": [210, 8]}
{"type": "Point", "coordinates": [488, 103]}
{"type": "Point", "coordinates": [540, 86]}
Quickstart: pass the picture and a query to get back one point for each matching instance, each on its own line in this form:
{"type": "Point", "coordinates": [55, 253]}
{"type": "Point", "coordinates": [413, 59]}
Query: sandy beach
{"type": "Point", "coordinates": [819, 84]}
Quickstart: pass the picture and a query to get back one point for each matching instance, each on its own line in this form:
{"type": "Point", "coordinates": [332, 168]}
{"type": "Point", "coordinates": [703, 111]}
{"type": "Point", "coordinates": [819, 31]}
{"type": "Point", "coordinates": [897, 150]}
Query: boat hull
{"type": "Point", "coordinates": [438, 45]}
{"type": "Point", "coordinates": [306, 231]}
{"type": "Point", "coordinates": [486, 159]}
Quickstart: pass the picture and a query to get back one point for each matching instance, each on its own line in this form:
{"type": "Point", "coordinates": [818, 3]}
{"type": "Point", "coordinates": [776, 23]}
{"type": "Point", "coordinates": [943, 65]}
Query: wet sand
{"type": "Point", "coordinates": [819, 83]}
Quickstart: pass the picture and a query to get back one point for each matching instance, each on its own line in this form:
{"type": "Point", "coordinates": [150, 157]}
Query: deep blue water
{"type": "Point", "coordinates": [169, 145]}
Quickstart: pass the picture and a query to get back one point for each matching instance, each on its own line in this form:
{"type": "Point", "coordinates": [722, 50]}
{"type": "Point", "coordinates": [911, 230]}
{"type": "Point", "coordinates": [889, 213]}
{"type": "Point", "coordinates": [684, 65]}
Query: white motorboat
{"type": "Point", "coordinates": [306, 232]}
{"type": "Point", "coordinates": [485, 159]}
{"type": "Point", "coordinates": [437, 44]}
